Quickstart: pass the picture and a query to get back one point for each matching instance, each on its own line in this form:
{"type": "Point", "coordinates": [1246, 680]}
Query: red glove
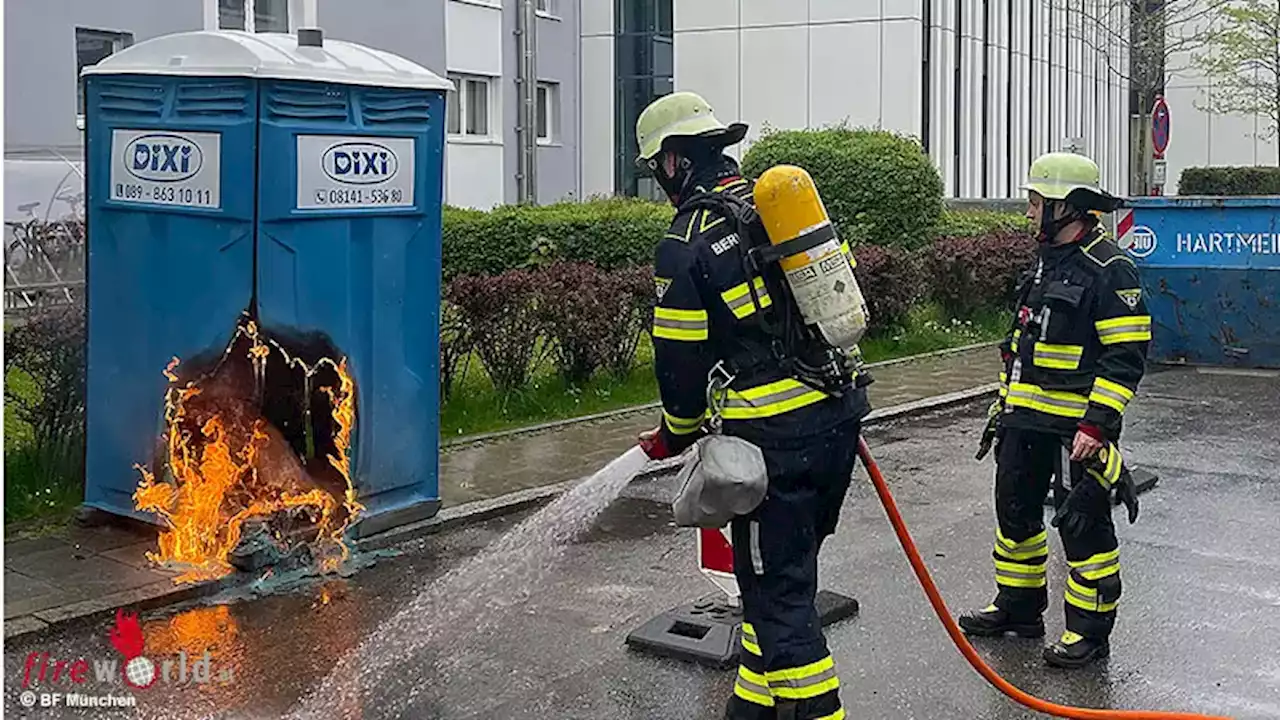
{"type": "Point", "coordinates": [654, 444]}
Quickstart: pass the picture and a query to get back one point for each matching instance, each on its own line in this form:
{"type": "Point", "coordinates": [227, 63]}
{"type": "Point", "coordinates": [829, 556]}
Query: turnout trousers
{"type": "Point", "coordinates": [1026, 462]}
{"type": "Point", "coordinates": [786, 670]}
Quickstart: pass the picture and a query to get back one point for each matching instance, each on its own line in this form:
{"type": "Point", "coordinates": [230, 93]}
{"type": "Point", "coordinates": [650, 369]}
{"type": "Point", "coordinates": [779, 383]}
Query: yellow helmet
{"type": "Point", "coordinates": [1072, 178]}
{"type": "Point", "coordinates": [681, 114]}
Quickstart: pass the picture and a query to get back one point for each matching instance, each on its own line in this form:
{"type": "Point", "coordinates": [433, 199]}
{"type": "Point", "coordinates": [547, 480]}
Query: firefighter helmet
{"type": "Point", "coordinates": [681, 114]}
{"type": "Point", "coordinates": [1072, 178]}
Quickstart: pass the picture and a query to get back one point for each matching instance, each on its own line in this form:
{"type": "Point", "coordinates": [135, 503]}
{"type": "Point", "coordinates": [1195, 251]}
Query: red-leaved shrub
{"type": "Point", "coordinates": [593, 316]}
{"type": "Point", "coordinates": [503, 317]}
{"type": "Point", "coordinates": [891, 280]}
{"type": "Point", "coordinates": [967, 274]}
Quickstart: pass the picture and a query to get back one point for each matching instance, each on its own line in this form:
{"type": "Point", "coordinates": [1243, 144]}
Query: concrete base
{"type": "Point", "coordinates": [708, 631]}
{"type": "Point", "coordinates": [391, 519]}
{"type": "Point", "coordinates": [1144, 479]}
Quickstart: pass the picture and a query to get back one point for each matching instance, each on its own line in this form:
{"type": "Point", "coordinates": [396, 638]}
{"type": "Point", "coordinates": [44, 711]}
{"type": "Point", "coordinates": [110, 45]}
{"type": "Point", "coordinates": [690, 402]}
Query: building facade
{"type": "Point", "coordinates": [473, 42]}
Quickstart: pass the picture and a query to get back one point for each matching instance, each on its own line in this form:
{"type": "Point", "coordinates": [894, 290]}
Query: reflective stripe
{"type": "Point", "coordinates": [1098, 566]}
{"type": "Point", "coordinates": [1013, 344]}
{"type": "Point", "coordinates": [749, 640]}
{"type": "Point", "coordinates": [757, 558]}
{"type": "Point", "coordinates": [1086, 598]}
{"type": "Point", "coordinates": [1032, 547]}
{"type": "Point", "coordinates": [1058, 357]}
{"type": "Point", "coordinates": [752, 687]}
{"type": "Point", "coordinates": [1126, 328]}
{"type": "Point", "coordinates": [804, 682]}
{"type": "Point", "coordinates": [769, 400]}
{"type": "Point", "coordinates": [848, 252]}
{"type": "Point", "coordinates": [1050, 402]}
{"type": "Point", "coordinates": [1111, 394]}
{"type": "Point", "coordinates": [681, 426]}
{"type": "Point", "coordinates": [1021, 575]}
{"type": "Point", "coordinates": [1004, 383]}
{"type": "Point", "coordinates": [1112, 464]}
{"type": "Point", "coordinates": [684, 325]}
{"type": "Point", "coordinates": [738, 298]}
{"type": "Point", "coordinates": [837, 715]}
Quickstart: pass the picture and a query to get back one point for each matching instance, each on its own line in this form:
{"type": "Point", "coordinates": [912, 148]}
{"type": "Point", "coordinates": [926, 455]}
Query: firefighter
{"type": "Point", "coordinates": [710, 326]}
{"type": "Point", "coordinates": [1073, 359]}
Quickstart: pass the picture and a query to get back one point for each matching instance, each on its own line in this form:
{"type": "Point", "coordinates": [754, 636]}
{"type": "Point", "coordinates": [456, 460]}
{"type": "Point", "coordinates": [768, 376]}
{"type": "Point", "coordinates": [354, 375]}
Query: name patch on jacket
{"type": "Point", "coordinates": [718, 247]}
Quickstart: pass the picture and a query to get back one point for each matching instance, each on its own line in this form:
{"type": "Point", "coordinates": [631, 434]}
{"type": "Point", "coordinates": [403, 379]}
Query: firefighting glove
{"type": "Point", "coordinates": [655, 445]}
{"type": "Point", "coordinates": [1071, 516]}
{"type": "Point", "coordinates": [1127, 493]}
{"type": "Point", "coordinates": [991, 430]}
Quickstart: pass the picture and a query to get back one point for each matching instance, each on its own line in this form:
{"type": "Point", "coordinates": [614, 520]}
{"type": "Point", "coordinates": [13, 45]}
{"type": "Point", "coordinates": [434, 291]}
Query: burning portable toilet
{"type": "Point", "coordinates": [1210, 270]}
{"type": "Point", "coordinates": [263, 287]}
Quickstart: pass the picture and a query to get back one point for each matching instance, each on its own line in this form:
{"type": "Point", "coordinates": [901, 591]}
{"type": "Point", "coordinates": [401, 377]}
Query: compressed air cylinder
{"type": "Point", "coordinates": [820, 277]}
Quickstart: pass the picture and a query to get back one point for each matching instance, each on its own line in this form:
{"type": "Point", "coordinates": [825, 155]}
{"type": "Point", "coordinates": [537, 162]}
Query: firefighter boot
{"type": "Point", "coordinates": [991, 621]}
{"type": "Point", "coordinates": [1075, 651]}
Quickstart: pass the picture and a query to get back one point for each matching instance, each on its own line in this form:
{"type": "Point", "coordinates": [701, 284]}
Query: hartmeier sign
{"type": "Point", "coordinates": [354, 172]}
{"type": "Point", "coordinates": [166, 168]}
{"type": "Point", "coordinates": [1174, 237]}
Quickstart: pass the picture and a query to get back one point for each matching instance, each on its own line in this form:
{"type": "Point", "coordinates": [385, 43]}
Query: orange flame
{"type": "Point", "coordinates": [223, 477]}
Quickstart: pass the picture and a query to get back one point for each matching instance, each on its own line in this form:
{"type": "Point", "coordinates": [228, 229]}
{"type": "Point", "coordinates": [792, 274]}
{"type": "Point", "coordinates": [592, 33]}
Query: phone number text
{"type": "Point", "coordinates": [163, 194]}
{"type": "Point", "coordinates": [360, 196]}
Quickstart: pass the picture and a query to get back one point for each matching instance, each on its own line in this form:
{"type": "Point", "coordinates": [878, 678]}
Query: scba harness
{"type": "Point", "coordinates": [795, 347]}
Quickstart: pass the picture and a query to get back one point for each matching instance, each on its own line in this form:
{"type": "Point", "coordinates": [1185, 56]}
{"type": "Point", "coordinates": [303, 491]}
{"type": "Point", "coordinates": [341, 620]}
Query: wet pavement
{"type": "Point", "coordinates": [1199, 620]}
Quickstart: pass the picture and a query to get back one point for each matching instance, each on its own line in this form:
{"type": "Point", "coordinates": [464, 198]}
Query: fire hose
{"type": "Point", "coordinates": [962, 642]}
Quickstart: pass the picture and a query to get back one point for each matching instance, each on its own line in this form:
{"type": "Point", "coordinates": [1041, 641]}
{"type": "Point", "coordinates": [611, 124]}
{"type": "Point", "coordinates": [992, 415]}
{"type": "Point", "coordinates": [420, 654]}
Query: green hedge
{"type": "Point", "coordinates": [1259, 180]}
{"type": "Point", "coordinates": [879, 187]}
{"type": "Point", "coordinates": [969, 223]}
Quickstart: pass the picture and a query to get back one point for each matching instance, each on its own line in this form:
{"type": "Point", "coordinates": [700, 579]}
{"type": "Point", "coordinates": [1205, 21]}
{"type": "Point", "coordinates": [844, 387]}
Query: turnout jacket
{"type": "Point", "coordinates": [1077, 348]}
{"type": "Point", "coordinates": [705, 315]}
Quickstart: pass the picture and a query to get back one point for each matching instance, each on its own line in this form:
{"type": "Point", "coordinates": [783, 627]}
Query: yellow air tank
{"type": "Point", "coordinates": [819, 272]}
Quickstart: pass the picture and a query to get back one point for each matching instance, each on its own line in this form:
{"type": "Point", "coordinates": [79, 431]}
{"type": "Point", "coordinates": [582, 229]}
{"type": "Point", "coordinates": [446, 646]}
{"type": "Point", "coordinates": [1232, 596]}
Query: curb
{"type": "Point", "coordinates": [468, 440]}
{"type": "Point", "coordinates": [152, 596]}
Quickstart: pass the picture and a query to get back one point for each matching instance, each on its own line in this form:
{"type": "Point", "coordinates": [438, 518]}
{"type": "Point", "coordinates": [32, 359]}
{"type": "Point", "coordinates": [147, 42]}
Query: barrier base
{"type": "Point", "coordinates": [1144, 479]}
{"type": "Point", "coordinates": [708, 631]}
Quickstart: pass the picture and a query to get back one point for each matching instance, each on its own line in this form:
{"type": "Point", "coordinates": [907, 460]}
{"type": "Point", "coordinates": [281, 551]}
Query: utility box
{"type": "Point", "coordinates": [1210, 271]}
{"type": "Point", "coordinates": [294, 180]}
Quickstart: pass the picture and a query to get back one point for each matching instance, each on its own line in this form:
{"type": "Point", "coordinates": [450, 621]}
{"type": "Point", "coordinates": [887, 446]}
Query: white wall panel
{"type": "Point", "coordinates": [899, 89]}
{"type": "Point", "coordinates": [705, 64]}
{"type": "Point", "coordinates": [701, 14]}
{"type": "Point", "coordinates": [767, 13]}
{"type": "Point", "coordinates": [776, 64]}
{"type": "Point", "coordinates": [473, 43]}
{"type": "Point", "coordinates": [827, 11]}
{"type": "Point", "coordinates": [597, 108]}
{"type": "Point", "coordinates": [474, 175]}
{"type": "Point", "coordinates": [844, 68]}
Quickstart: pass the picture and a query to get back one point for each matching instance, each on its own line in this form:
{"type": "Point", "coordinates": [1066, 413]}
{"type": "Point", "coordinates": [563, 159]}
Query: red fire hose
{"type": "Point", "coordinates": [962, 643]}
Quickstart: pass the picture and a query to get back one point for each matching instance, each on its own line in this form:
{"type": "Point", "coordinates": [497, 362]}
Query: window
{"type": "Point", "coordinates": [468, 106]}
{"type": "Point", "coordinates": [644, 71]}
{"type": "Point", "coordinates": [548, 112]}
{"type": "Point", "coordinates": [91, 47]}
{"type": "Point", "coordinates": [265, 15]}
{"type": "Point", "coordinates": [548, 7]}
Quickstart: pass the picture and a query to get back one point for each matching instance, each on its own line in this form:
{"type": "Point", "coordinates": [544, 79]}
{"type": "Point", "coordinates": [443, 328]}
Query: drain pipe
{"type": "Point", "coordinates": [527, 112]}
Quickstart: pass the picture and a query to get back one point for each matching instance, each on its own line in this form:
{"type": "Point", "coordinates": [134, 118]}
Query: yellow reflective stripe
{"type": "Point", "coordinates": [1013, 344]}
{"type": "Point", "coordinates": [1112, 464]}
{"type": "Point", "coordinates": [837, 715]}
{"type": "Point", "coordinates": [848, 252]}
{"type": "Point", "coordinates": [1004, 383]}
{"type": "Point", "coordinates": [749, 640]}
{"type": "Point", "coordinates": [738, 298]}
{"type": "Point", "coordinates": [1111, 394]}
{"type": "Point", "coordinates": [1086, 598]}
{"type": "Point", "coordinates": [807, 681]}
{"type": "Point", "coordinates": [1032, 547]}
{"type": "Point", "coordinates": [1057, 357]}
{"type": "Point", "coordinates": [1096, 567]}
{"type": "Point", "coordinates": [752, 687]}
{"type": "Point", "coordinates": [1126, 328]}
{"type": "Point", "coordinates": [769, 400]}
{"type": "Point", "coordinates": [1021, 575]}
{"type": "Point", "coordinates": [1050, 402]}
{"type": "Point", "coordinates": [681, 426]}
{"type": "Point", "coordinates": [684, 325]}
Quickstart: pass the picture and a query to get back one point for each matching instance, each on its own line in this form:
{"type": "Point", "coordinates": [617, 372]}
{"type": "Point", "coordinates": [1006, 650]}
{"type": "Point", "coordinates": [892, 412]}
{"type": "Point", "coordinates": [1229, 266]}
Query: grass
{"type": "Point", "coordinates": [38, 483]}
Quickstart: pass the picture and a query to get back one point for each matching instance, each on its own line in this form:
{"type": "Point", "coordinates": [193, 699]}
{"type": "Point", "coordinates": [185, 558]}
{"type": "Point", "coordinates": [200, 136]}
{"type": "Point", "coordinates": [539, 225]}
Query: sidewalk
{"type": "Point", "coordinates": [81, 571]}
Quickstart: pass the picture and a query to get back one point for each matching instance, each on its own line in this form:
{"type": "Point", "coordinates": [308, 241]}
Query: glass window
{"type": "Point", "coordinates": [644, 67]}
{"type": "Point", "coordinates": [93, 46]}
{"type": "Point", "coordinates": [268, 15]}
{"type": "Point", "coordinates": [548, 111]}
{"type": "Point", "coordinates": [548, 7]}
{"type": "Point", "coordinates": [477, 107]}
{"type": "Point", "coordinates": [467, 111]}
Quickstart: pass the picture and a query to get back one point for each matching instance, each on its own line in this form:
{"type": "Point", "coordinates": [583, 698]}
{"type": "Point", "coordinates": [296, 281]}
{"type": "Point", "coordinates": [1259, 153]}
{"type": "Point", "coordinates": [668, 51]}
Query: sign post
{"type": "Point", "coordinates": [1159, 143]}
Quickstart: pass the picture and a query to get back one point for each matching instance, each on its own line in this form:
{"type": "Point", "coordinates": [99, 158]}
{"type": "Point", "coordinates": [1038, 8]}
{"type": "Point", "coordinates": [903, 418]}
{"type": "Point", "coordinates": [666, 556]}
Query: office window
{"type": "Point", "coordinates": [644, 71]}
{"type": "Point", "coordinates": [266, 15]}
{"type": "Point", "coordinates": [93, 46]}
{"type": "Point", "coordinates": [468, 106]}
{"type": "Point", "coordinates": [548, 111]}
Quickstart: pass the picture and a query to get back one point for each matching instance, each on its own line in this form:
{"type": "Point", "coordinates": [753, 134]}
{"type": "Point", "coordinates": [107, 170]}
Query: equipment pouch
{"type": "Point", "coordinates": [726, 477]}
{"type": "Point", "coordinates": [1064, 292]}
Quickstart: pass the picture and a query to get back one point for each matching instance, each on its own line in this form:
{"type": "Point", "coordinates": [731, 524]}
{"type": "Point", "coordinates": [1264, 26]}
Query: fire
{"type": "Point", "coordinates": [228, 466]}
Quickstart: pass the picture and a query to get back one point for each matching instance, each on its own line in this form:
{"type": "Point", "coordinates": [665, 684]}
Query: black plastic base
{"type": "Point", "coordinates": [1144, 479]}
{"type": "Point", "coordinates": [708, 631]}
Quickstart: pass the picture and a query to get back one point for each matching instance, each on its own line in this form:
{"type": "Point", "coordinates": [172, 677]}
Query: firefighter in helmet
{"type": "Point", "coordinates": [711, 330]}
{"type": "Point", "coordinates": [1073, 359]}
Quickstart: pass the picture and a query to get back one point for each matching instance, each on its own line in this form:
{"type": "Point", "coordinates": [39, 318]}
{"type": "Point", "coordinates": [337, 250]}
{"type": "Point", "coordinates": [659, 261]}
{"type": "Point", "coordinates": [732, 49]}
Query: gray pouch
{"type": "Point", "coordinates": [724, 478]}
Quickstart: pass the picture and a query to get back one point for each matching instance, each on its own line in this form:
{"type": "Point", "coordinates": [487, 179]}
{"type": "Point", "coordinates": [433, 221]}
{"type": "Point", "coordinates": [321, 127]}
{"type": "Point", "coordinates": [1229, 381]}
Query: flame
{"type": "Point", "coordinates": [218, 483]}
{"type": "Point", "coordinates": [126, 636]}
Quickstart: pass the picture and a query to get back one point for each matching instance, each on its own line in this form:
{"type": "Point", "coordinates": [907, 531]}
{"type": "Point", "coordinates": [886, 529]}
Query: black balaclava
{"type": "Point", "coordinates": [694, 157]}
{"type": "Point", "coordinates": [1050, 227]}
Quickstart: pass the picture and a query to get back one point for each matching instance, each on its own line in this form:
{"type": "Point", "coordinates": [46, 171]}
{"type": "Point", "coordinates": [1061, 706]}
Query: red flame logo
{"type": "Point", "coordinates": [126, 636]}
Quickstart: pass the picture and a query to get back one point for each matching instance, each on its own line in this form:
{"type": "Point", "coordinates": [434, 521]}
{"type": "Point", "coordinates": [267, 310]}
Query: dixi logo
{"type": "Point", "coordinates": [1140, 242]}
{"type": "Point", "coordinates": [161, 157]}
{"type": "Point", "coordinates": [360, 163]}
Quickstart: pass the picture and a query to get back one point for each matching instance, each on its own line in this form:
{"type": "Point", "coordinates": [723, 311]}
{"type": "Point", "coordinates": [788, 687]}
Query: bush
{"type": "Point", "coordinates": [594, 317]}
{"type": "Point", "coordinates": [455, 346]}
{"type": "Point", "coordinates": [1259, 180]}
{"type": "Point", "coordinates": [612, 233]}
{"type": "Point", "coordinates": [973, 223]}
{"type": "Point", "coordinates": [878, 187]}
{"type": "Point", "coordinates": [891, 281]}
{"type": "Point", "coordinates": [969, 274]}
{"type": "Point", "coordinates": [502, 315]}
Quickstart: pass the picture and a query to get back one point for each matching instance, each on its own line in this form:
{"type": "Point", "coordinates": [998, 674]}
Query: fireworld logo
{"type": "Point", "coordinates": [138, 671]}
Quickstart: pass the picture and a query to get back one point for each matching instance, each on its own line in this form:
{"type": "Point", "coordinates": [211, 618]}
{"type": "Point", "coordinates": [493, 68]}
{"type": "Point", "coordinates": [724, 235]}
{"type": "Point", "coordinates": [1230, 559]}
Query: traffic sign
{"type": "Point", "coordinates": [715, 560]}
{"type": "Point", "coordinates": [1160, 127]}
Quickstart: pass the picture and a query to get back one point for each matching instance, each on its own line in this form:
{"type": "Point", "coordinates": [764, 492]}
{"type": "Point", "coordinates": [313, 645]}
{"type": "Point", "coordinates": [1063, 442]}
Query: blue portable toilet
{"type": "Point", "coordinates": [1210, 270]}
{"type": "Point", "coordinates": [295, 177]}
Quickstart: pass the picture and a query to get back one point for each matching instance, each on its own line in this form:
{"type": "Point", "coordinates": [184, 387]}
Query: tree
{"type": "Point", "coordinates": [1242, 59]}
{"type": "Point", "coordinates": [1140, 41]}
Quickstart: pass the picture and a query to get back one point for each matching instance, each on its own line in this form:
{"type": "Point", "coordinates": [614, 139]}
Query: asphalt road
{"type": "Point", "coordinates": [1198, 629]}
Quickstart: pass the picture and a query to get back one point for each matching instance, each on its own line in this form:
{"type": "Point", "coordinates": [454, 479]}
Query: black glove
{"type": "Point", "coordinates": [991, 430]}
{"type": "Point", "coordinates": [1072, 519]}
{"type": "Point", "coordinates": [1127, 492]}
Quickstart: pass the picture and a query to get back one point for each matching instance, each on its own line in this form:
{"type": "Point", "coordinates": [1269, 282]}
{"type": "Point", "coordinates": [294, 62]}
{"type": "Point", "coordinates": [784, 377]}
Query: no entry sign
{"type": "Point", "coordinates": [1160, 127]}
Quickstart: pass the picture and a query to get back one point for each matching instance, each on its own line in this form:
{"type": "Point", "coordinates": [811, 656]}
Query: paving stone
{"type": "Point", "coordinates": [24, 595]}
{"type": "Point", "coordinates": [76, 570]}
{"type": "Point", "coordinates": [23, 624]}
